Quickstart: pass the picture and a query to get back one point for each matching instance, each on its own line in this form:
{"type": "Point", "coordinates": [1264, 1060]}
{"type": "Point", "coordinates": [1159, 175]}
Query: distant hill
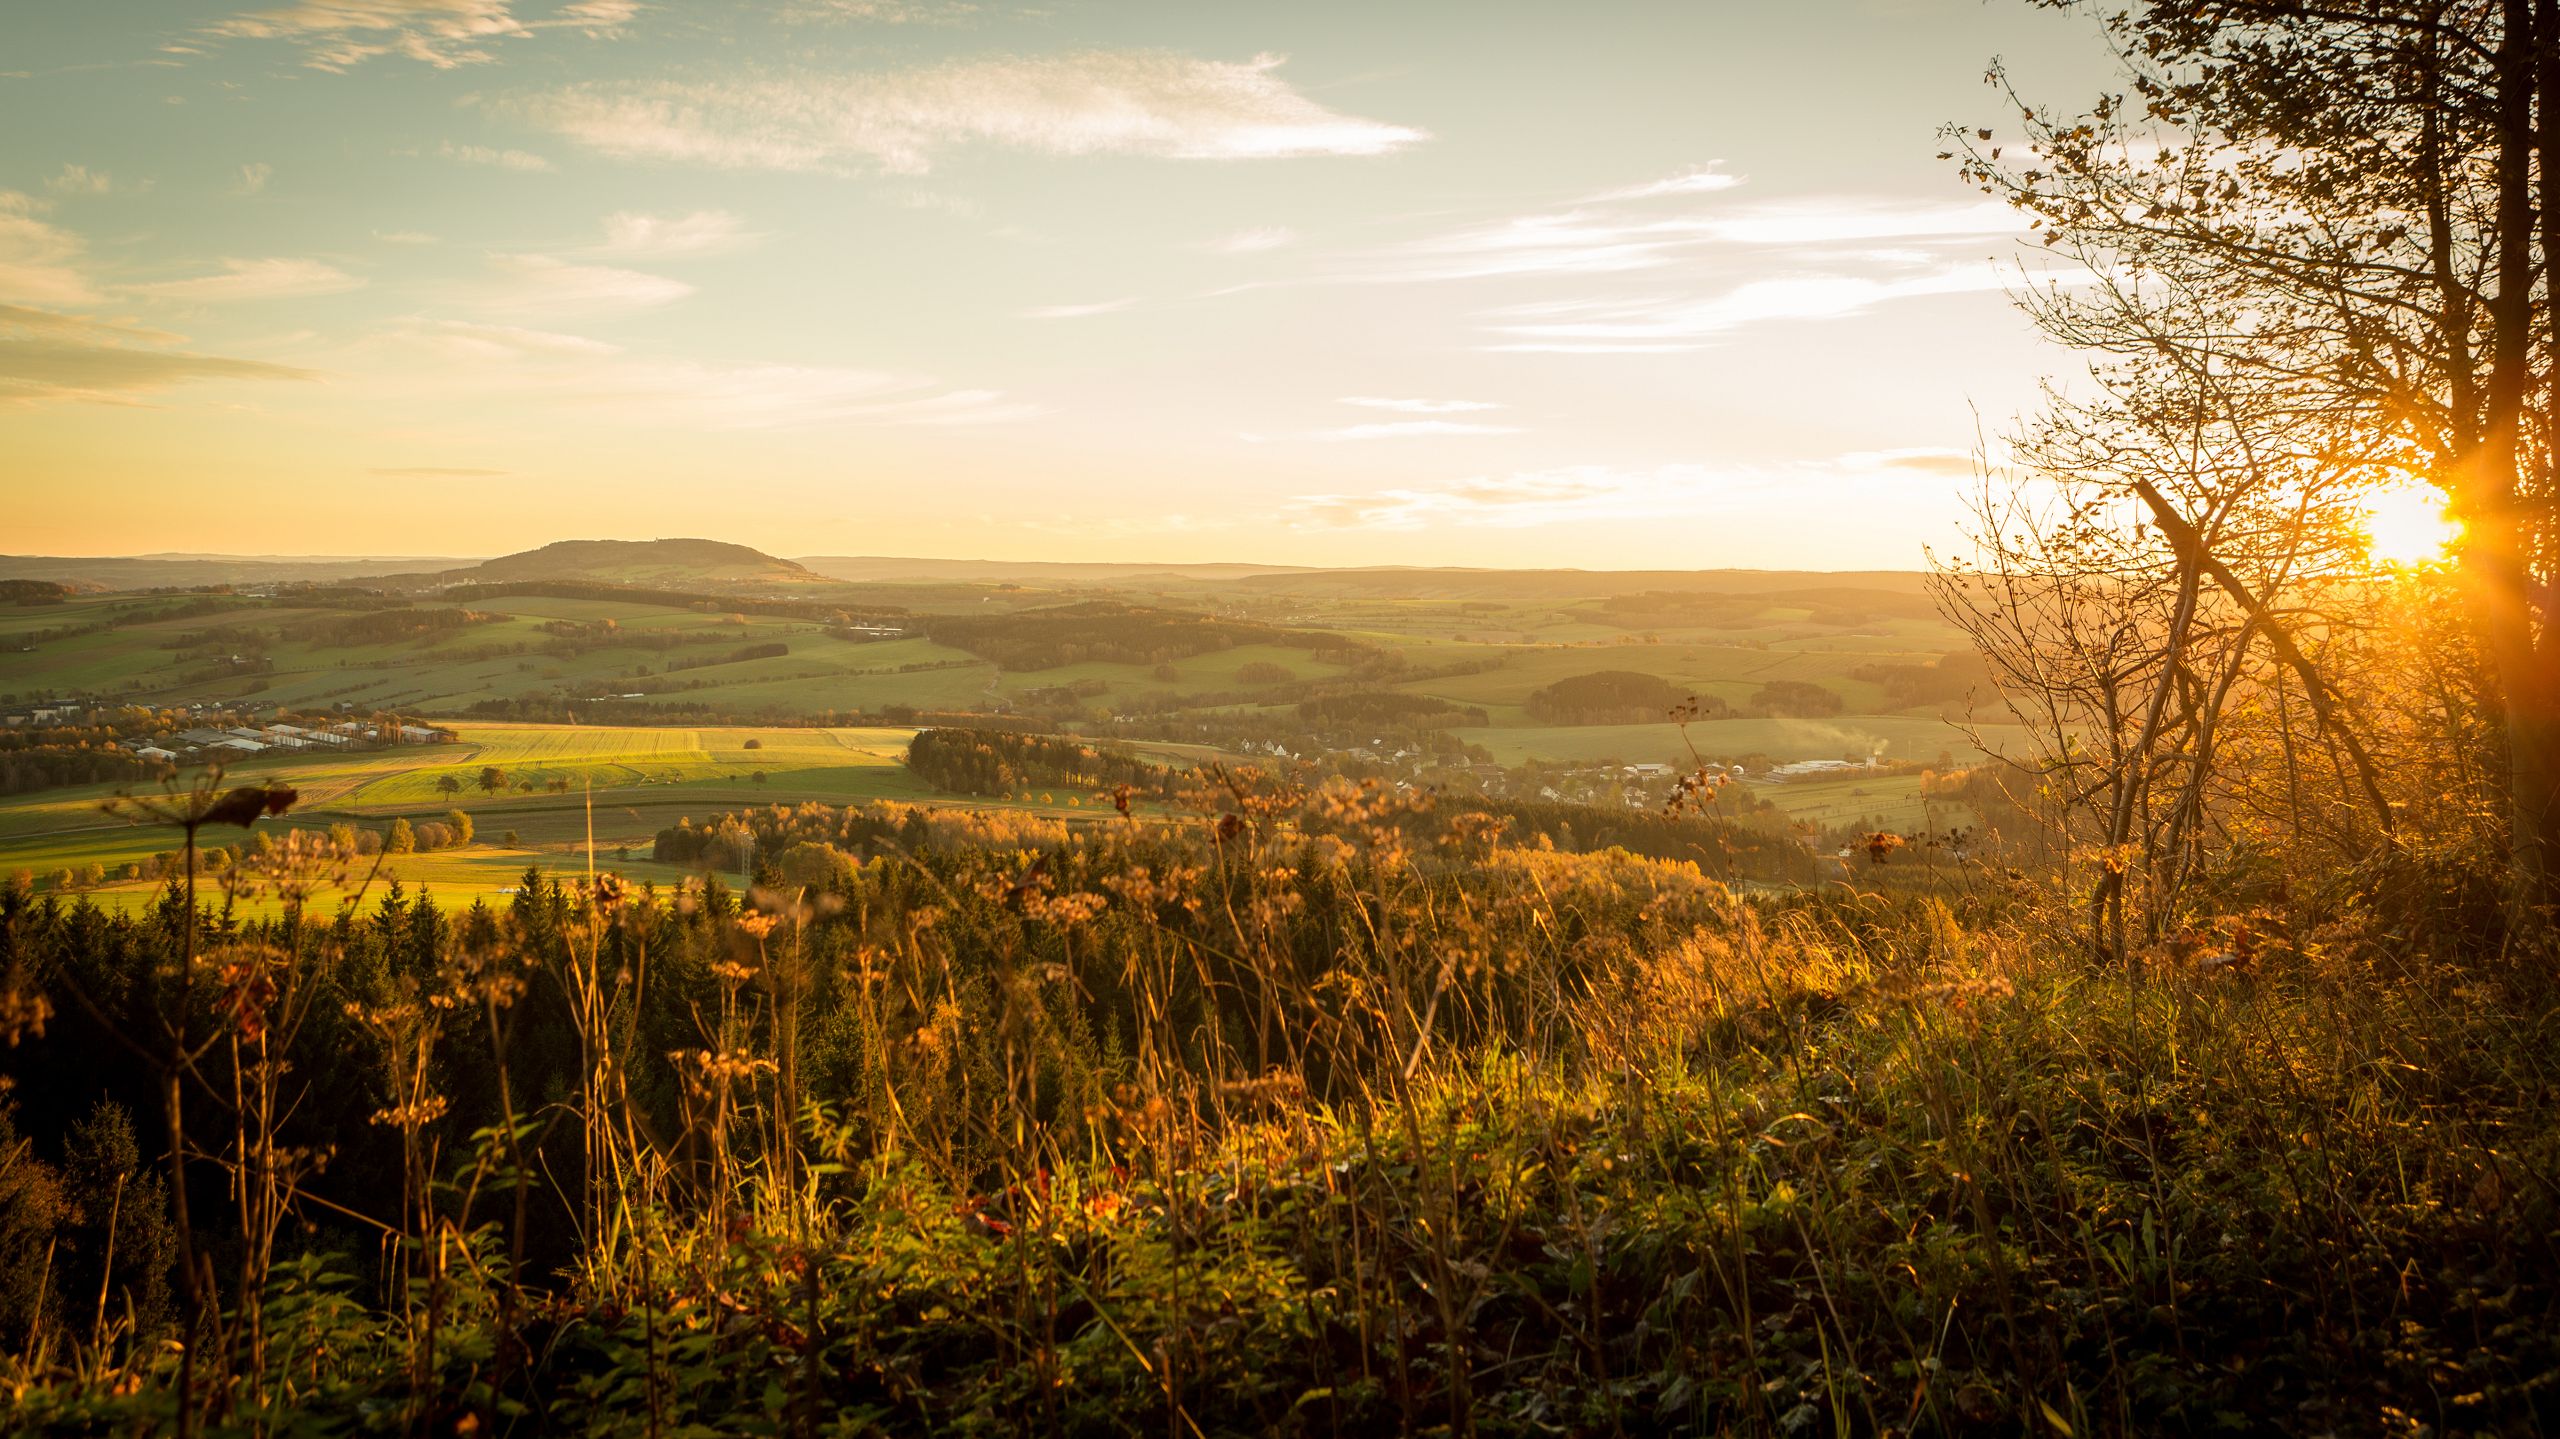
{"type": "Point", "coordinates": [181, 571]}
{"type": "Point", "coordinates": [716, 564]}
{"type": "Point", "coordinates": [639, 562]}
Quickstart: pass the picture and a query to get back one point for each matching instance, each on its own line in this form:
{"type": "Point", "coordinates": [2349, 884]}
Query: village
{"type": "Point", "coordinates": [204, 731]}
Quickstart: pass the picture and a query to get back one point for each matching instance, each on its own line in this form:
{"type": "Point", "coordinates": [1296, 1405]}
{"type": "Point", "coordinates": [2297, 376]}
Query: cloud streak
{"type": "Point", "coordinates": [632, 235]}
{"type": "Point", "coordinates": [1514, 501]}
{"type": "Point", "coordinates": [36, 256]}
{"type": "Point", "coordinates": [516, 362]}
{"type": "Point", "coordinates": [1603, 242]}
{"type": "Point", "coordinates": [338, 35]}
{"type": "Point", "coordinates": [1096, 102]}
{"type": "Point", "coordinates": [524, 160]}
{"type": "Point", "coordinates": [238, 280]}
{"type": "Point", "coordinates": [548, 284]}
{"type": "Point", "coordinates": [50, 357]}
{"type": "Point", "coordinates": [1076, 312]}
{"type": "Point", "coordinates": [1659, 326]}
{"type": "Point", "coordinates": [1415, 430]}
{"type": "Point", "coordinates": [1419, 407]}
{"type": "Point", "coordinates": [1703, 180]}
{"type": "Point", "coordinates": [81, 180]}
{"type": "Point", "coordinates": [1255, 241]}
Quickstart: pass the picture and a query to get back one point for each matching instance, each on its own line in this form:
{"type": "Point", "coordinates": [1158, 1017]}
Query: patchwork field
{"type": "Point", "coordinates": [1129, 662]}
{"type": "Point", "coordinates": [638, 781]}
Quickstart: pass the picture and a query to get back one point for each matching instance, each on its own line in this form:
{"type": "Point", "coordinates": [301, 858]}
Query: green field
{"type": "Point", "coordinates": [633, 781]}
{"type": "Point", "coordinates": [1518, 631]}
{"type": "Point", "coordinates": [1891, 802]}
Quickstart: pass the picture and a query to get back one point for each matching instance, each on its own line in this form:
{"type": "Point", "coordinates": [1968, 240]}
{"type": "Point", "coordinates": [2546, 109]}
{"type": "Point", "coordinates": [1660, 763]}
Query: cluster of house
{"type": "Point", "coordinates": [1637, 785]}
{"type": "Point", "coordinates": [27, 715]}
{"type": "Point", "coordinates": [242, 740]}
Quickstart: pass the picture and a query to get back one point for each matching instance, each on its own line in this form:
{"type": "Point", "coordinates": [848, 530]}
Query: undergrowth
{"type": "Point", "coordinates": [1293, 1119]}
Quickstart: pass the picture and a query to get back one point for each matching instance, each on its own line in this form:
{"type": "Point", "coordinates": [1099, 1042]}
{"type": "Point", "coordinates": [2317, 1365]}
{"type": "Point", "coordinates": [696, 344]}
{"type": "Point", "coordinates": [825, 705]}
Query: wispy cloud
{"type": "Point", "coordinates": [1594, 241]}
{"type": "Point", "coordinates": [81, 180]}
{"type": "Point", "coordinates": [277, 279]}
{"type": "Point", "coordinates": [660, 237]}
{"type": "Point", "coordinates": [524, 160]}
{"type": "Point", "coordinates": [1514, 501]}
{"type": "Point", "coordinates": [1418, 407]}
{"type": "Point", "coordinates": [546, 283]}
{"type": "Point", "coordinates": [1702, 180]}
{"type": "Point", "coordinates": [513, 362]}
{"type": "Point", "coordinates": [36, 255]}
{"type": "Point", "coordinates": [1655, 325]}
{"type": "Point", "coordinates": [469, 340]}
{"type": "Point", "coordinates": [1132, 102]}
{"type": "Point", "coordinates": [1415, 430]}
{"type": "Point", "coordinates": [1940, 464]}
{"type": "Point", "coordinates": [337, 35]}
{"type": "Point", "coordinates": [877, 12]}
{"type": "Point", "coordinates": [253, 178]}
{"type": "Point", "coordinates": [1077, 312]}
{"type": "Point", "coordinates": [1255, 241]}
{"type": "Point", "coordinates": [1838, 221]}
{"type": "Point", "coordinates": [51, 357]}
{"type": "Point", "coordinates": [1572, 243]}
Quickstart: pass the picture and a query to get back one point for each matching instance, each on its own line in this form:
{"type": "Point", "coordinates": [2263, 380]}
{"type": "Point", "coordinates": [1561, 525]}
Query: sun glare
{"type": "Point", "coordinates": [2408, 525]}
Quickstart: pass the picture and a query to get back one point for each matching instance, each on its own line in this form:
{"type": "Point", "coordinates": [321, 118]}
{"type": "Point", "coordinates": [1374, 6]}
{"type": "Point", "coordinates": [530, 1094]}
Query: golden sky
{"type": "Point", "coordinates": [1605, 285]}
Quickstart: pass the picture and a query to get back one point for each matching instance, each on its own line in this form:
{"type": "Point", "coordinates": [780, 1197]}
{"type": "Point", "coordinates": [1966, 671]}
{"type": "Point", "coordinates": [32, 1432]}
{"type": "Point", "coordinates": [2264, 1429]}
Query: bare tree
{"type": "Point", "coordinates": [2347, 213]}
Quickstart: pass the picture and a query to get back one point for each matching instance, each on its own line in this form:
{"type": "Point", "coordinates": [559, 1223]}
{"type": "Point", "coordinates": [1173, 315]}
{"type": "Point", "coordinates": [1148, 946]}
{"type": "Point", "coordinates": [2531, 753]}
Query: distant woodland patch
{"type": "Point", "coordinates": [995, 764]}
{"type": "Point", "coordinates": [1607, 697]}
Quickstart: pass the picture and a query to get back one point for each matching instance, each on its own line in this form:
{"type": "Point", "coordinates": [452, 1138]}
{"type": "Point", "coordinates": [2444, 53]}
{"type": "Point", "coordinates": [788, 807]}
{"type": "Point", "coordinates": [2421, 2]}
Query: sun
{"type": "Point", "coordinates": [2408, 524]}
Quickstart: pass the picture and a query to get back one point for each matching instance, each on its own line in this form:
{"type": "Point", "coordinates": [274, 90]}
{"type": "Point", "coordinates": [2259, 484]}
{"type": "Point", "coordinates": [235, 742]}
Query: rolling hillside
{"type": "Point", "coordinates": [639, 562]}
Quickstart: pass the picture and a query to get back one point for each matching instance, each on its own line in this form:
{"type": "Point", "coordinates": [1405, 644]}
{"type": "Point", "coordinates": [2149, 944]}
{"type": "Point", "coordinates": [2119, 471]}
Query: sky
{"type": "Point", "coordinates": [1605, 285]}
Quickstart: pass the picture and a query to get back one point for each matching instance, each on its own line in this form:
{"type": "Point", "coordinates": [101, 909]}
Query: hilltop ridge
{"type": "Point", "coordinates": [660, 561]}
